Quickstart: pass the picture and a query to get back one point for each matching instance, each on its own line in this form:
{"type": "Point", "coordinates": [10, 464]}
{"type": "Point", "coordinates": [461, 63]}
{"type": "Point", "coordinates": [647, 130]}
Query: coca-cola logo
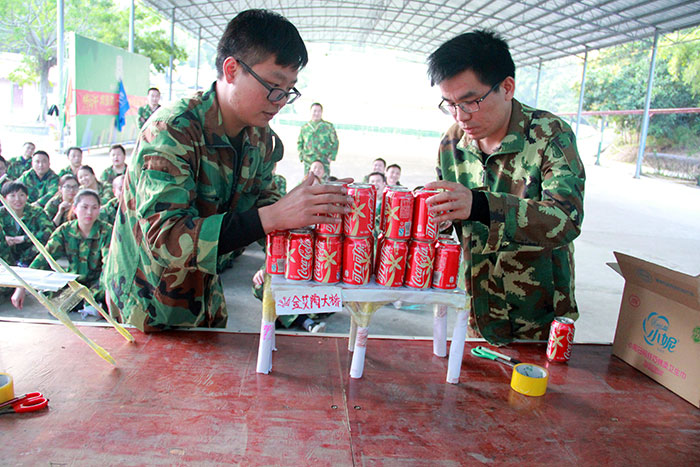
{"type": "Point", "coordinates": [305, 256]}
{"type": "Point", "coordinates": [360, 264]}
{"type": "Point", "coordinates": [422, 266]}
{"type": "Point", "coordinates": [430, 227]}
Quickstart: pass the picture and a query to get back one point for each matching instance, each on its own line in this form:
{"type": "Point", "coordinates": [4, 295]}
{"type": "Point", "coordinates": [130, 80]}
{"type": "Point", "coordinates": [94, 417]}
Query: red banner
{"type": "Point", "coordinates": [104, 103]}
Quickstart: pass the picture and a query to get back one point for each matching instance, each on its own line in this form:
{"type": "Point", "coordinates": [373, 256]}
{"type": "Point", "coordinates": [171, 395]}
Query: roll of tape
{"type": "Point", "coordinates": [529, 379]}
{"type": "Point", "coordinates": [7, 391]}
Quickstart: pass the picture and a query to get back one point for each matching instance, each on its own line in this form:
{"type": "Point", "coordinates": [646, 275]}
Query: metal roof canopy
{"type": "Point", "coordinates": [536, 31]}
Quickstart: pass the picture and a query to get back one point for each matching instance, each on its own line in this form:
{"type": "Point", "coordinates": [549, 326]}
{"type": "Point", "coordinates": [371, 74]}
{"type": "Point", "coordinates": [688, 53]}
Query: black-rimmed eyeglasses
{"type": "Point", "coordinates": [274, 94]}
{"type": "Point", "coordinates": [466, 107]}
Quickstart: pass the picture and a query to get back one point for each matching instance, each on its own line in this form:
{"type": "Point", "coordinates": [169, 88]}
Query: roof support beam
{"type": "Point", "coordinates": [580, 96]}
{"type": "Point", "coordinates": [647, 105]}
{"type": "Point", "coordinates": [131, 27]}
{"type": "Point", "coordinates": [60, 55]}
{"type": "Point", "coordinates": [172, 46]}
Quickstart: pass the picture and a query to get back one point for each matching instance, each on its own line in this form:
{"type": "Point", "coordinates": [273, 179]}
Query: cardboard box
{"type": "Point", "coordinates": [658, 330]}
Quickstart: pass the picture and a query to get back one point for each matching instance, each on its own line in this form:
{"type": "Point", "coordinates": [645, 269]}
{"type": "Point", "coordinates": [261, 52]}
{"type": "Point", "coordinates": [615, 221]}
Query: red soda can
{"type": "Point", "coordinates": [561, 339]}
{"type": "Point", "coordinates": [300, 255]}
{"type": "Point", "coordinates": [276, 252]}
{"type": "Point", "coordinates": [359, 222]}
{"type": "Point", "coordinates": [424, 227]}
{"type": "Point", "coordinates": [377, 250]}
{"type": "Point", "coordinates": [419, 266]}
{"type": "Point", "coordinates": [397, 209]}
{"type": "Point", "coordinates": [382, 217]}
{"type": "Point", "coordinates": [446, 264]}
{"type": "Point", "coordinates": [332, 229]}
{"type": "Point", "coordinates": [391, 262]}
{"type": "Point", "coordinates": [357, 260]}
{"type": "Point", "coordinates": [328, 251]}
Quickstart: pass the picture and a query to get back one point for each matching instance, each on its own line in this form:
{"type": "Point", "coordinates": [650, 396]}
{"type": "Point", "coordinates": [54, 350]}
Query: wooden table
{"type": "Point", "coordinates": [195, 398]}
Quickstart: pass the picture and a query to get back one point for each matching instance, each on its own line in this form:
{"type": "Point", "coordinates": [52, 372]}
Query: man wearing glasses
{"type": "Point", "coordinates": [513, 184]}
{"type": "Point", "coordinates": [200, 183]}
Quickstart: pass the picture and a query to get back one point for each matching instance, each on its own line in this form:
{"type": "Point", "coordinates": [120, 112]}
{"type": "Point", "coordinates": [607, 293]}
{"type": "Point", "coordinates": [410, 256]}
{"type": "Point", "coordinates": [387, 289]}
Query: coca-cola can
{"type": "Point", "coordinates": [446, 264]}
{"type": "Point", "coordinates": [382, 212]}
{"type": "Point", "coordinates": [328, 258]}
{"type": "Point", "coordinates": [357, 260]}
{"type": "Point", "coordinates": [377, 249]}
{"type": "Point", "coordinates": [300, 255]}
{"type": "Point", "coordinates": [332, 229]}
{"type": "Point", "coordinates": [424, 227]}
{"type": "Point", "coordinates": [391, 262]}
{"type": "Point", "coordinates": [276, 252]}
{"type": "Point", "coordinates": [397, 209]}
{"type": "Point", "coordinates": [359, 222]}
{"type": "Point", "coordinates": [561, 339]}
{"type": "Point", "coordinates": [419, 266]}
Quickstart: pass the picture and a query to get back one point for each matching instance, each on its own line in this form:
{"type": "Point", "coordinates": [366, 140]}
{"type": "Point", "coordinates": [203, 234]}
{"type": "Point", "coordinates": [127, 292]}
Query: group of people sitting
{"type": "Point", "coordinates": [70, 212]}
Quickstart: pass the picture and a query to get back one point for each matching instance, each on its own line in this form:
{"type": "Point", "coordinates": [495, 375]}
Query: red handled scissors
{"type": "Point", "coordinates": [26, 403]}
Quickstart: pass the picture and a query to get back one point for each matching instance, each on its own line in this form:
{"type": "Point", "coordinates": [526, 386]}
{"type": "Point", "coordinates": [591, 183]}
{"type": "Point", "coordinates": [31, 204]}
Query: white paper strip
{"type": "Point", "coordinates": [304, 300]}
{"type": "Point", "coordinates": [440, 331]}
{"type": "Point", "coordinates": [459, 336]}
{"type": "Point", "coordinates": [358, 357]}
{"type": "Point", "coordinates": [267, 338]}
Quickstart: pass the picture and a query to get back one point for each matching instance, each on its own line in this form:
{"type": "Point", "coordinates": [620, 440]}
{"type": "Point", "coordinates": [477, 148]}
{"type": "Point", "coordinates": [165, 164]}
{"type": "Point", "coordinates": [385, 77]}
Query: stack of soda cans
{"type": "Point", "coordinates": [409, 250]}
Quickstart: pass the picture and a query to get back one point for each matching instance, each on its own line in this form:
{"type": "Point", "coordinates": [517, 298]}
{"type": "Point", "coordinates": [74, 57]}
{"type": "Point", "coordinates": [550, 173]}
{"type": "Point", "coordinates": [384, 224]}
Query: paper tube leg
{"type": "Point", "coordinates": [358, 356]}
{"type": "Point", "coordinates": [353, 334]}
{"type": "Point", "coordinates": [440, 330]}
{"type": "Point", "coordinates": [454, 364]}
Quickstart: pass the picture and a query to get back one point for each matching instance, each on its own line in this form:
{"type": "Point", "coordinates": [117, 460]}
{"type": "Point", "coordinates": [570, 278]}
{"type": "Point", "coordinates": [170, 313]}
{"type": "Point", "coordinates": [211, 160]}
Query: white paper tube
{"type": "Point", "coordinates": [440, 330]}
{"type": "Point", "coordinates": [358, 356]}
{"type": "Point", "coordinates": [459, 336]}
{"type": "Point", "coordinates": [353, 335]}
{"type": "Point", "coordinates": [267, 339]}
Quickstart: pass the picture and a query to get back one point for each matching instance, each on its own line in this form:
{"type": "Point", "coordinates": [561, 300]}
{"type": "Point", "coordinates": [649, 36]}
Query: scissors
{"type": "Point", "coordinates": [483, 352]}
{"type": "Point", "coordinates": [26, 403]}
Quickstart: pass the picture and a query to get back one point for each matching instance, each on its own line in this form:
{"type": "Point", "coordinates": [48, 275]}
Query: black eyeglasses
{"type": "Point", "coordinates": [466, 107]}
{"type": "Point", "coordinates": [275, 94]}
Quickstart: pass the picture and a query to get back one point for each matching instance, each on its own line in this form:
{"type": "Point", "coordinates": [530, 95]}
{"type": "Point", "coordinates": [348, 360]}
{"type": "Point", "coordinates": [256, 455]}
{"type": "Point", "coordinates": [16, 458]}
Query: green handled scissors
{"type": "Point", "coordinates": [483, 352]}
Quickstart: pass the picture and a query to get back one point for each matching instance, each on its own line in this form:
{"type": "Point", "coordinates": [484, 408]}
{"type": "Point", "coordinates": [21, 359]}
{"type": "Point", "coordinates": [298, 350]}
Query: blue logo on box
{"type": "Point", "coordinates": [655, 329]}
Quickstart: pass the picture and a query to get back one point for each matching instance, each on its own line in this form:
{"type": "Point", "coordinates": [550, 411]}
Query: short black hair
{"type": "Point", "coordinates": [483, 52]}
{"type": "Point", "coordinates": [41, 152]}
{"type": "Point", "coordinates": [11, 187]}
{"type": "Point", "coordinates": [2, 159]}
{"type": "Point", "coordinates": [316, 103]}
{"type": "Point", "coordinates": [394, 165]}
{"type": "Point", "coordinates": [66, 177]}
{"type": "Point", "coordinates": [377, 173]}
{"type": "Point", "coordinates": [86, 192]}
{"type": "Point", "coordinates": [255, 35]}
{"type": "Point", "coordinates": [73, 147]}
{"type": "Point", "coordinates": [118, 146]}
{"type": "Point", "coordinates": [86, 167]}
{"type": "Point", "coordinates": [380, 159]}
{"type": "Point", "coordinates": [153, 89]}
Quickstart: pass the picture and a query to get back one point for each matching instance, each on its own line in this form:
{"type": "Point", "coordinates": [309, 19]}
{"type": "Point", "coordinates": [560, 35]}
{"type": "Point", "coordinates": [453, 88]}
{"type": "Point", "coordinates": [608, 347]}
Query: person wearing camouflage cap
{"type": "Point", "coordinates": [514, 187]}
{"type": "Point", "coordinates": [200, 185]}
{"type": "Point", "coordinates": [317, 140]}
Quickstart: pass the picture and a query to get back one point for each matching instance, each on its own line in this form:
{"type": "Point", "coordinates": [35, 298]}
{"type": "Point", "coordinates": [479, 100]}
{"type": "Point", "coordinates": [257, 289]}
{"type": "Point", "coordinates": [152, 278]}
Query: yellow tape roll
{"type": "Point", "coordinates": [529, 379]}
{"type": "Point", "coordinates": [7, 391]}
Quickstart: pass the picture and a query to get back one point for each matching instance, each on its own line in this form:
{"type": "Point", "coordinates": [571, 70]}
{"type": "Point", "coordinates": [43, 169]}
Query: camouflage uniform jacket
{"type": "Point", "coordinates": [85, 255]}
{"type": "Point", "coordinates": [66, 171]}
{"type": "Point", "coordinates": [519, 269]}
{"type": "Point", "coordinates": [108, 211]}
{"type": "Point", "coordinates": [317, 140]}
{"type": "Point", "coordinates": [17, 166]}
{"type": "Point", "coordinates": [110, 174]}
{"type": "Point", "coordinates": [36, 221]}
{"type": "Point", "coordinates": [144, 114]}
{"type": "Point", "coordinates": [281, 183]}
{"type": "Point", "coordinates": [40, 189]}
{"type": "Point", "coordinates": [163, 265]}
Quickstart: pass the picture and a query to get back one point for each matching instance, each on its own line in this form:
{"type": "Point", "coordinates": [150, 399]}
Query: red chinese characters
{"type": "Point", "coordinates": [332, 229]}
{"type": "Point", "coordinates": [419, 267]}
{"type": "Point", "coordinates": [300, 255]}
{"type": "Point", "coordinates": [561, 339]}
{"type": "Point", "coordinates": [446, 264]}
{"type": "Point", "coordinates": [391, 262]}
{"type": "Point", "coordinates": [359, 222]}
{"type": "Point", "coordinates": [397, 213]}
{"type": "Point", "coordinates": [276, 252]}
{"type": "Point", "coordinates": [357, 260]}
{"type": "Point", "coordinates": [424, 227]}
{"type": "Point", "coordinates": [328, 251]}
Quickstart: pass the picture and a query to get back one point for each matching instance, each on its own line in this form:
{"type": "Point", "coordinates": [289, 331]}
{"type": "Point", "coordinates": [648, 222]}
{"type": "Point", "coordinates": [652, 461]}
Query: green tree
{"type": "Point", "coordinates": [28, 27]}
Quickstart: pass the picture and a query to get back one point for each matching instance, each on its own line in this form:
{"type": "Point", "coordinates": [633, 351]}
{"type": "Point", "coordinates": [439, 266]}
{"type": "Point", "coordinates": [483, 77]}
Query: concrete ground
{"type": "Point", "coordinates": [652, 218]}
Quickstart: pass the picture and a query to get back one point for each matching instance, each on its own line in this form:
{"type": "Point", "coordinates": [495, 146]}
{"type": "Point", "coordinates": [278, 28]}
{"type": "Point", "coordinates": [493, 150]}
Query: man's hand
{"type": "Point", "coordinates": [306, 205]}
{"type": "Point", "coordinates": [15, 240]}
{"type": "Point", "coordinates": [18, 298]}
{"type": "Point", "coordinates": [259, 277]}
{"type": "Point", "coordinates": [455, 203]}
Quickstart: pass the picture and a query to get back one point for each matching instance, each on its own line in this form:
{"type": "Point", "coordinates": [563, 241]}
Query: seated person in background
{"type": "Point", "coordinates": [393, 174]}
{"type": "Point", "coordinates": [58, 208]}
{"type": "Point", "coordinates": [118, 167]}
{"type": "Point", "coordinates": [3, 170]}
{"type": "Point", "coordinates": [379, 181]}
{"type": "Point", "coordinates": [109, 210]}
{"type": "Point", "coordinates": [378, 165]}
{"type": "Point", "coordinates": [22, 250]}
{"type": "Point", "coordinates": [18, 165]}
{"type": "Point", "coordinates": [88, 181]}
{"type": "Point", "coordinates": [317, 168]}
{"type": "Point", "coordinates": [40, 180]}
{"type": "Point", "coordinates": [75, 161]}
{"type": "Point", "coordinates": [84, 242]}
